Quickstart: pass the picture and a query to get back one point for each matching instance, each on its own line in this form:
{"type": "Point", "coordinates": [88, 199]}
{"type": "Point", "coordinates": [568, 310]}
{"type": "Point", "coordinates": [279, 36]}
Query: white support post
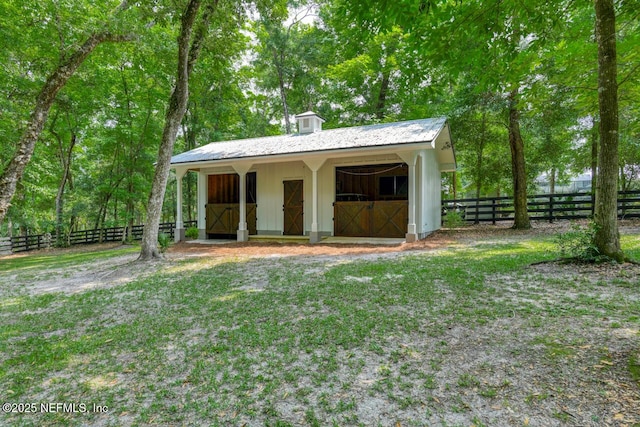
{"type": "Point", "coordinates": [314, 208]}
{"type": "Point", "coordinates": [421, 220]}
{"type": "Point", "coordinates": [314, 165]}
{"type": "Point", "coordinates": [410, 160]}
{"type": "Point", "coordinates": [179, 231]}
{"type": "Point", "coordinates": [202, 202]}
{"type": "Point", "coordinates": [243, 232]}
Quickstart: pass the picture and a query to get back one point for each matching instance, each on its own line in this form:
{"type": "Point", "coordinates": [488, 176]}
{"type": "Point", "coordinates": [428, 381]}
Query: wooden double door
{"type": "Point", "coordinates": [223, 218]}
{"type": "Point", "coordinates": [223, 208]}
{"type": "Point", "coordinates": [384, 218]}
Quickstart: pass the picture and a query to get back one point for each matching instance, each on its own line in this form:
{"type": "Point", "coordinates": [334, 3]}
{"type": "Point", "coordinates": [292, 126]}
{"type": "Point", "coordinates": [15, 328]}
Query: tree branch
{"type": "Point", "coordinates": [200, 33]}
{"type": "Point", "coordinates": [47, 95]}
{"type": "Point", "coordinates": [629, 75]}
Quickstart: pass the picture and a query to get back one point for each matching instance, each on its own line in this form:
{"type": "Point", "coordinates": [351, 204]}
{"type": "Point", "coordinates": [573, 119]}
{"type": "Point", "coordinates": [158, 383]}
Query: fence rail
{"type": "Point", "coordinates": [541, 207]}
{"type": "Point", "coordinates": [81, 237]}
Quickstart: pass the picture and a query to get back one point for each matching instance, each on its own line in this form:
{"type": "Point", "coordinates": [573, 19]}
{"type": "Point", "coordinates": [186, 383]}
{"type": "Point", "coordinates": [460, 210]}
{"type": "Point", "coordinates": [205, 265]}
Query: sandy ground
{"type": "Point", "coordinates": [123, 269]}
{"type": "Point", "coordinates": [593, 388]}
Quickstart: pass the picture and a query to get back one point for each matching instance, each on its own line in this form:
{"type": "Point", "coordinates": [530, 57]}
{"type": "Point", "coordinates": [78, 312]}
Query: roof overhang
{"type": "Point", "coordinates": [291, 157]}
{"type": "Point", "coordinates": [439, 139]}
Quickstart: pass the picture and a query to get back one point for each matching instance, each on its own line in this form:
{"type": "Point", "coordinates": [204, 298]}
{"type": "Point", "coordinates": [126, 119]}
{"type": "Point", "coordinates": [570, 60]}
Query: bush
{"type": "Point", "coordinates": [163, 241]}
{"type": "Point", "coordinates": [192, 232]}
{"type": "Point", "coordinates": [453, 219]}
{"type": "Point", "coordinates": [577, 243]}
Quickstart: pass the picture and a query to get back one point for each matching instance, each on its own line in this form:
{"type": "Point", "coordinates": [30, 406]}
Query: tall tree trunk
{"type": "Point", "coordinates": [454, 177]}
{"type": "Point", "coordinates": [283, 98]}
{"type": "Point", "coordinates": [607, 238]}
{"type": "Point", "coordinates": [97, 223]}
{"type": "Point", "coordinates": [382, 95]}
{"type": "Point", "coordinates": [188, 52]}
{"type": "Point", "coordinates": [479, 157]}
{"type": "Point", "coordinates": [594, 155]}
{"type": "Point", "coordinates": [72, 225]}
{"type": "Point", "coordinates": [190, 132]}
{"type": "Point", "coordinates": [56, 81]}
{"type": "Point", "coordinates": [521, 215]}
{"type": "Point", "coordinates": [65, 159]}
{"type": "Point", "coordinates": [130, 212]}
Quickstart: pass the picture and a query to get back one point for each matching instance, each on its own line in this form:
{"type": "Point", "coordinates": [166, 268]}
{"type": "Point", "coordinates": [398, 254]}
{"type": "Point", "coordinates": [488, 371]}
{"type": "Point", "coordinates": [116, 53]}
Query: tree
{"type": "Point", "coordinates": [365, 81]}
{"type": "Point", "coordinates": [57, 79]}
{"type": "Point", "coordinates": [189, 46]}
{"type": "Point", "coordinates": [518, 164]}
{"type": "Point", "coordinates": [284, 61]}
{"type": "Point", "coordinates": [65, 155]}
{"type": "Point", "coordinates": [497, 42]}
{"type": "Point", "coordinates": [479, 132]}
{"type": "Point", "coordinates": [377, 73]}
{"type": "Point", "coordinates": [607, 238]}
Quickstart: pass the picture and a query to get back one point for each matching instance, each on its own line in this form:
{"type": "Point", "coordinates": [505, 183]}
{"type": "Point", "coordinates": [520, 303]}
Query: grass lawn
{"type": "Point", "coordinates": [471, 334]}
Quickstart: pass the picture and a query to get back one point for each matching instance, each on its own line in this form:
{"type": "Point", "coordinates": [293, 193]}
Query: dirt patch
{"type": "Point", "coordinates": [120, 270]}
{"type": "Point", "coordinates": [104, 273]}
{"type": "Point", "coordinates": [531, 364]}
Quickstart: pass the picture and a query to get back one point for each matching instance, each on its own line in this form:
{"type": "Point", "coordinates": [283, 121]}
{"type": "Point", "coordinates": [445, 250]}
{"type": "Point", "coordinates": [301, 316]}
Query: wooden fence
{"type": "Point", "coordinates": [5, 246]}
{"type": "Point", "coordinates": [541, 207]}
{"type": "Point", "coordinates": [81, 237]}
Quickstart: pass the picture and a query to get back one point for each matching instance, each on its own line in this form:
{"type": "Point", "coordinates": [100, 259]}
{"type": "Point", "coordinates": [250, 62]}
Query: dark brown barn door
{"type": "Point", "coordinates": [386, 218]}
{"type": "Point", "coordinates": [389, 218]}
{"type": "Point", "coordinates": [293, 208]}
{"type": "Point", "coordinates": [223, 207]}
{"type": "Point", "coordinates": [352, 219]}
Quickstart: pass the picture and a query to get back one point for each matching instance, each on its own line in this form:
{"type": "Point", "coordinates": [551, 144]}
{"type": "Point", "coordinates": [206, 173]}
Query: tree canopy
{"type": "Point", "coordinates": [517, 79]}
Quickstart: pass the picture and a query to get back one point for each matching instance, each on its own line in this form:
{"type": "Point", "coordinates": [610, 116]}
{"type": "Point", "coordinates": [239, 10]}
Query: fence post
{"type": "Point", "coordinates": [493, 211]}
{"type": "Point", "coordinates": [550, 208]}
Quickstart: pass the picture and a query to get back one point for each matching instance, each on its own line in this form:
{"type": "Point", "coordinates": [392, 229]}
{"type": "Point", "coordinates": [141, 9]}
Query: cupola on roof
{"type": "Point", "coordinates": [309, 122]}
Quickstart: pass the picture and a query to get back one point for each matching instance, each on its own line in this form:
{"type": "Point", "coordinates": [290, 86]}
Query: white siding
{"type": "Point", "coordinates": [326, 197]}
{"type": "Point", "coordinates": [432, 184]}
{"type": "Point", "coordinates": [202, 200]}
{"type": "Point", "coordinates": [270, 191]}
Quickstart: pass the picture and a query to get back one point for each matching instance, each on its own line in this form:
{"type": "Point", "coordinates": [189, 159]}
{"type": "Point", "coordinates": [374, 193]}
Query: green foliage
{"type": "Point", "coordinates": [41, 261]}
{"type": "Point", "coordinates": [191, 232]}
{"type": "Point", "coordinates": [481, 141]}
{"type": "Point", "coordinates": [353, 62]}
{"type": "Point", "coordinates": [164, 240]}
{"type": "Point", "coordinates": [453, 219]}
{"type": "Point", "coordinates": [577, 243]}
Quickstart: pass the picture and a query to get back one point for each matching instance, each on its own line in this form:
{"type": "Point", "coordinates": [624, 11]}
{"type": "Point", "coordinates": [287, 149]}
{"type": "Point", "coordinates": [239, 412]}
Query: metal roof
{"type": "Point", "coordinates": [385, 134]}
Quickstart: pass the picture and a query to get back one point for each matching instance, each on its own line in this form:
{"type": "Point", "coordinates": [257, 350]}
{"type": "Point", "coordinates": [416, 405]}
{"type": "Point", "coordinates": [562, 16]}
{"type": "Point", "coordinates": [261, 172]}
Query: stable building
{"type": "Point", "coordinates": [381, 180]}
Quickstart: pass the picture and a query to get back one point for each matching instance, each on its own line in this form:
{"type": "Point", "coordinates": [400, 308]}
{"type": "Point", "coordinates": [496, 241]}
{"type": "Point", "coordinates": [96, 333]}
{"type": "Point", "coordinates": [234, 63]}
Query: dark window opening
{"type": "Point", "coordinates": [372, 183]}
{"type": "Point", "coordinates": [395, 186]}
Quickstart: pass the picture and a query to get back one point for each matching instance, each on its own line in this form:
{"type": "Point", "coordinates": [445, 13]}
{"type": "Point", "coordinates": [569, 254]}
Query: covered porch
{"type": "Point", "coordinates": [376, 181]}
{"type": "Point", "coordinates": [381, 196]}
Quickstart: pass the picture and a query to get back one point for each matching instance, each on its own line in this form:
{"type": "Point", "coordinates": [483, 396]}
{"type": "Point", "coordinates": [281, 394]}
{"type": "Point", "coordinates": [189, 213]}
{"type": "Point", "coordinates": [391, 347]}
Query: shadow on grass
{"type": "Point", "coordinates": [43, 261]}
{"type": "Point", "coordinates": [211, 339]}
